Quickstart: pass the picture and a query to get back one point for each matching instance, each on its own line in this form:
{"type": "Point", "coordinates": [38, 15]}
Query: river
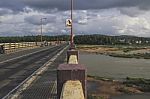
{"type": "Point", "coordinates": [113, 67]}
{"type": "Point", "coordinates": [117, 68]}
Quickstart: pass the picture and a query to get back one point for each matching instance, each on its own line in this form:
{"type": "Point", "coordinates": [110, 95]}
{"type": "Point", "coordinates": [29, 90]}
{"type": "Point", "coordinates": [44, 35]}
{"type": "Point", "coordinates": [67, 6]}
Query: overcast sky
{"type": "Point", "coordinates": [110, 17]}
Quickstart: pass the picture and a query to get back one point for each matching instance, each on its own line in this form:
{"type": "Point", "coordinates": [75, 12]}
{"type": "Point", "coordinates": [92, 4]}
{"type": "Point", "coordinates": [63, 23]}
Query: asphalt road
{"type": "Point", "coordinates": [13, 72]}
{"type": "Point", "coordinates": [45, 86]}
{"type": "Point", "coordinates": [4, 57]}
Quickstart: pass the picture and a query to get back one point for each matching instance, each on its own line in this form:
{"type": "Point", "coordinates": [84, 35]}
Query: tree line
{"type": "Point", "coordinates": [95, 39]}
{"type": "Point", "coordinates": [16, 39]}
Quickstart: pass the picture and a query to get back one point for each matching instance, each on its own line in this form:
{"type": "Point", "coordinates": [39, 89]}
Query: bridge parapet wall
{"type": "Point", "coordinates": [71, 72]}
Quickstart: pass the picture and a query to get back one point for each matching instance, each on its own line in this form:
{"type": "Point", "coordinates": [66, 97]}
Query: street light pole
{"type": "Point", "coordinates": [71, 37]}
{"type": "Point", "coordinates": [42, 29]}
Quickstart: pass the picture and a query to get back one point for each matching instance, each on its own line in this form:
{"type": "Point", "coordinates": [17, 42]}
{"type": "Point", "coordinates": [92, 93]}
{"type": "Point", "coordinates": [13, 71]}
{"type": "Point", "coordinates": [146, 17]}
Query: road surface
{"type": "Point", "coordinates": [16, 68]}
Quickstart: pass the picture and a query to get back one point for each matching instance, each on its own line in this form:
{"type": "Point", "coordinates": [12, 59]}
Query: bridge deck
{"type": "Point", "coordinates": [21, 53]}
{"type": "Point", "coordinates": [45, 86]}
{"type": "Point", "coordinates": [15, 71]}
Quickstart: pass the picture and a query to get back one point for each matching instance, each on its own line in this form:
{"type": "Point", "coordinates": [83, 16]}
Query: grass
{"type": "Point", "coordinates": [100, 78]}
{"type": "Point", "coordinates": [143, 84]}
{"type": "Point", "coordinates": [95, 97]}
{"type": "Point", "coordinates": [138, 55]}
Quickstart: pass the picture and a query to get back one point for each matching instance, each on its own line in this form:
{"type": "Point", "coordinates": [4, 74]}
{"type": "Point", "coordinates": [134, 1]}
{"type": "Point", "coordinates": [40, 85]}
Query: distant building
{"type": "Point", "coordinates": [138, 42]}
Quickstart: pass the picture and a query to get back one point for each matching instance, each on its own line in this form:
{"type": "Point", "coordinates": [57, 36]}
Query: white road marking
{"type": "Point", "coordinates": [25, 55]}
{"type": "Point", "coordinates": [13, 94]}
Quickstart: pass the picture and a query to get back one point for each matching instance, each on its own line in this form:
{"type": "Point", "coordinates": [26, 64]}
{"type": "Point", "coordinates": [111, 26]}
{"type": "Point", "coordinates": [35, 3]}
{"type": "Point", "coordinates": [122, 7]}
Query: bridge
{"type": "Point", "coordinates": [42, 73]}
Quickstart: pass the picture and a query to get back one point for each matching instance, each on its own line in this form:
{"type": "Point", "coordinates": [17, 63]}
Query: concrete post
{"type": "Point", "coordinates": [66, 72]}
{"type": "Point", "coordinates": [73, 72]}
{"type": "Point", "coordinates": [72, 52]}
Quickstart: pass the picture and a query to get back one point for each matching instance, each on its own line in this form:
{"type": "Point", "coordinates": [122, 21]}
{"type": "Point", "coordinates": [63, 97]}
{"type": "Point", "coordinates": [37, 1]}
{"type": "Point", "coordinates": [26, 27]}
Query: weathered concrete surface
{"type": "Point", "coordinates": [71, 78]}
{"type": "Point", "coordinates": [72, 90]}
{"type": "Point", "coordinates": [73, 59]}
{"type": "Point", "coordinates": [72, 52]}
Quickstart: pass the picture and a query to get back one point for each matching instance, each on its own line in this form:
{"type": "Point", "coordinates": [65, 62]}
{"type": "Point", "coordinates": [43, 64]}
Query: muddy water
{"type": "Point", "coordinates": [117, 68]}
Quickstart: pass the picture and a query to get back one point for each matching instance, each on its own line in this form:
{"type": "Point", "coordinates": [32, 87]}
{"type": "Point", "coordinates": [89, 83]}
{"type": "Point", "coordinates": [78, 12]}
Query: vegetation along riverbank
{"type": "Point", "coordinates": [104, 88]}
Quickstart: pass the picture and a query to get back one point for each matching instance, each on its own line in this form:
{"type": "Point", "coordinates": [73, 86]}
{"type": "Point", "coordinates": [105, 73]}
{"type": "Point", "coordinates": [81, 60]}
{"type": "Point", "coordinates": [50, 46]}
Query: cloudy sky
{"type": "Point", "coordinates": [110, 17]}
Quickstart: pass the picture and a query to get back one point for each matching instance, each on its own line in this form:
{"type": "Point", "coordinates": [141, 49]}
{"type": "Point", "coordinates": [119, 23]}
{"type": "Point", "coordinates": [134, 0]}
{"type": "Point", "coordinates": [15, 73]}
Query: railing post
{"type": "Point", "coordinates": [73, 72]}
{"type": "Point", "coordinates": [72, 52]}
{"type": "Point", "coordinates": [2, 50]}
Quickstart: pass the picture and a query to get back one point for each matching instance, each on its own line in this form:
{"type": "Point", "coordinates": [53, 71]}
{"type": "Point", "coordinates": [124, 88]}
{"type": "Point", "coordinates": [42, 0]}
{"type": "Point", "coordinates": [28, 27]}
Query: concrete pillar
{"type": "Point", "coordinates": [72, 52]}
{"type": "Point", "coordinates": [72, 71]}
{"type": "Point", "coordinates": [66, 72]}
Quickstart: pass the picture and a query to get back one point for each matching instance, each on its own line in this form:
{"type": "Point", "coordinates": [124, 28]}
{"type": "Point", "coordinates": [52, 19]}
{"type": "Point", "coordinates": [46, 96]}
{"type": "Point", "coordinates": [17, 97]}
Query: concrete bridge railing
{"type": "Point", "coordinates": [71, 78]}
{"type": "Point", "coordinates": [13, 47]}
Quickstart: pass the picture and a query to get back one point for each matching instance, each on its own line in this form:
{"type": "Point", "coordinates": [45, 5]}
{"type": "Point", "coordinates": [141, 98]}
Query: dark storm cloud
{"type": "Point", "coordinates": [132, 12]}
{"type": "Point", "coordinates": [18, 5]}
{"type": "Point", "coordinates": [15, 5]}
{"type": "Point", "coordinates": [36, 19]}
{"type": "Point", "coordinates": [5, 11]}
{"type": "Point", "coordinates": [87, 4]}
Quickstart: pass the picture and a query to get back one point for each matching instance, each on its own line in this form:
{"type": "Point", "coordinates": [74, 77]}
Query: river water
{"type": "Point", "coordinates": [117, 68]}
{"type": "Point", "coordinates": [113, 67]}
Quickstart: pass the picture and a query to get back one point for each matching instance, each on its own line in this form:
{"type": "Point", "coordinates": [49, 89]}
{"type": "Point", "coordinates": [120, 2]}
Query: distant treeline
{"type": "Point", "coordinates": [111, 40]}
{"type": "Point", "coordinates": [95, 39]}
{"type": "Point", "coordinates": [33, 39]}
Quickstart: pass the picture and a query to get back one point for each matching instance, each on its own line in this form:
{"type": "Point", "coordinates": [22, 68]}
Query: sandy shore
{"type": "Point", "coordinates": [117, 51]}
{"type": "Point", "coordinates": [98, 49]}
{"type": "Point", "coordinates": [113, 49]}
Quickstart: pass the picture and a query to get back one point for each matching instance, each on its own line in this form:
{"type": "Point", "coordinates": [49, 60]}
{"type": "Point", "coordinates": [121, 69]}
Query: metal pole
{"type": "Point", "coordinates": [71, 37]}
{"type": "Point", "coordinates": [41, 31]}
